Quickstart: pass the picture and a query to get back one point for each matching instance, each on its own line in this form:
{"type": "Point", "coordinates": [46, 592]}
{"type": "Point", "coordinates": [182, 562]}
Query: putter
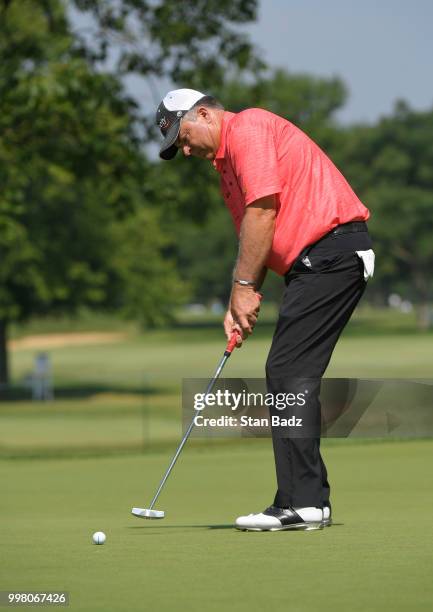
{"type": "Point", "coordinates": [150, 513]}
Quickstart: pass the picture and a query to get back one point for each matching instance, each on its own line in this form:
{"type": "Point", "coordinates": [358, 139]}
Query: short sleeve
{"type": "Point", "coordinates": [253, 154]}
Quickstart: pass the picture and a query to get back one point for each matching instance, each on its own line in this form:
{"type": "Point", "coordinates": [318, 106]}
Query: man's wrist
{"type": "Point", "coordinates": [244, 282]}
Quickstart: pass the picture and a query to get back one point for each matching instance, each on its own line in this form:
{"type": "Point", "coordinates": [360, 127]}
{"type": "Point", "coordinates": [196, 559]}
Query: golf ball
{"type": "Point", "coordinates": [98, 537]}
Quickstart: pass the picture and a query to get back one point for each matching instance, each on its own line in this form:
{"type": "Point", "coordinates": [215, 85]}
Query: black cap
{"type": "Point", "coordinates": [169, 114]}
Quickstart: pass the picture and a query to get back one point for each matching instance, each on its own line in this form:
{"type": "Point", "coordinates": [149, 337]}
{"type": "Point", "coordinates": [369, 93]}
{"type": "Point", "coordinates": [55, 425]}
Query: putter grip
{"type": "Point", "coordinates": [231, 344]}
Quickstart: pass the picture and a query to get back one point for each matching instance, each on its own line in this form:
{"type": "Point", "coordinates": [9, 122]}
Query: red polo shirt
{"type": "Point", "coordinates": [261, 154]}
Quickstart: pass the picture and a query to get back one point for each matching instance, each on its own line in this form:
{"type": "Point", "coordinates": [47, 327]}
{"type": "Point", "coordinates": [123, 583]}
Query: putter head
{"type": "Point", "coordinates": [148, 514]}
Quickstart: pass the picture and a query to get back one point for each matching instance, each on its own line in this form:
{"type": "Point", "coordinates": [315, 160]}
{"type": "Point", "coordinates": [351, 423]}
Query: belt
{"type": "Point", "coordinates": [344, 228]}
{"type": "Point", "coordinates": [348, 228]}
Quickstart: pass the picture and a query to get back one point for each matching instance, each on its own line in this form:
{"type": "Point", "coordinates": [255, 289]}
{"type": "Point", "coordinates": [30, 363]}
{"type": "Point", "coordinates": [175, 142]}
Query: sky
{"type": "Point", "coordinates": [382, 49]}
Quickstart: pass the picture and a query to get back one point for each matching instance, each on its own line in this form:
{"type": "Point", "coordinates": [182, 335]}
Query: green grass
{"type": "Point", "coordinates": [126, 395]}
{"type": "Point", "coordinates": [163, 358]}
{"type": "Point", "coordinates": [80, 463]}
{"type": "Point", "coordinates": [376, 557]}
{"type": "Point", "coordinates": [84, 321]}
{"type": "Point", "coordinates": [366, 319]}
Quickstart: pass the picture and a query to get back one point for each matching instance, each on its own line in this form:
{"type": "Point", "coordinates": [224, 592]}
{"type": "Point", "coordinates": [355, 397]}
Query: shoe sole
{"type": "Point", "coordinates": [297, 526]}
{"type": "Point", "coordinates": [327, 523]}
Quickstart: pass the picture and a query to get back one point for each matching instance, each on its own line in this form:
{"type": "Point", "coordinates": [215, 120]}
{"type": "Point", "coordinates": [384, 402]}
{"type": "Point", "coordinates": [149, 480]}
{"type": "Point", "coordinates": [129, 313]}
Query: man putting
{"type": "Point", "coordinates": [295, 214]}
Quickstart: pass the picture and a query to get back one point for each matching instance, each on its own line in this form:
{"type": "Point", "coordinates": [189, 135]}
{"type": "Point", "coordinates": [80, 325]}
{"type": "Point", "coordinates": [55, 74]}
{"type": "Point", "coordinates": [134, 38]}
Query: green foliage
{"type": "Point", "coordinates": [206, 255]}
{"type": "Point", "coordinates": [66, 167]}
{"type": "Point", "coordinates": [390, 165]}
{"type": "Point", "coordinates": [145, 286]}
{"type": "Point", "coordinates": [301, 98]}
{"type": "Point", "coordinates": [76, 225]}
{"type": "Point", "coordinates": [186, 189]}
{"type": "Point", "coordinates": [190, 42]}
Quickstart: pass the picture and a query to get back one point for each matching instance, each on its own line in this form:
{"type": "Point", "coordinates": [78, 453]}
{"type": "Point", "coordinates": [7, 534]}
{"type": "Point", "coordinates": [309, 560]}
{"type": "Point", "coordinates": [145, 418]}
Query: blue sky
{"type": "Point", "coordinates": [382, 49]}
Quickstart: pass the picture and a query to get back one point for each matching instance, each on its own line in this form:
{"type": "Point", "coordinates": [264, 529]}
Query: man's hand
{"type": "Point", "coordinates": [244, 310]}
{"type": "Point", "coordinates": [230, 326]}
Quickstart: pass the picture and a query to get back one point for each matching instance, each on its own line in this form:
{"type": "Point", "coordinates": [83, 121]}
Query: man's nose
{"type": "Point", "coordinates": [186, 150]}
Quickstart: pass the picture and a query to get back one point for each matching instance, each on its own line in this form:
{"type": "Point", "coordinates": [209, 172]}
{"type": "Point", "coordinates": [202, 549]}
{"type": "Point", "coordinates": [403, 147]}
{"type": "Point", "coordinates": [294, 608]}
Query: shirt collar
{"type": "Point", "coordinates": [220, 154]}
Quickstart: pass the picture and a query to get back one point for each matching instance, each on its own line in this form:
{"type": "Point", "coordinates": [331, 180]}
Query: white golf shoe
{"type": "Point", "coordinates": [327, 515]}
{"type": "Point", "coordinates": [279, 519]}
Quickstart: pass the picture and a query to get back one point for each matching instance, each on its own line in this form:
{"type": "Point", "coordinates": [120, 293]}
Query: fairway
{"type": "Point", "coordinates": [377, 556]}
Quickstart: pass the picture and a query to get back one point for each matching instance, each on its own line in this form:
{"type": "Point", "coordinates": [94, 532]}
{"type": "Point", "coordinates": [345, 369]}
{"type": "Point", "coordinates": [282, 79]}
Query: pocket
{"type": "Point", "coordinates": [313, 263]}
{"type": "Point", "coordinates": [326, 262]}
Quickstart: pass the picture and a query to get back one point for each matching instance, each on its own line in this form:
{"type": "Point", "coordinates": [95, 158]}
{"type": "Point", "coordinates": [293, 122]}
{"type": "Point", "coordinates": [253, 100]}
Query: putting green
{"type": "Point", "coordinates": [376, 557]}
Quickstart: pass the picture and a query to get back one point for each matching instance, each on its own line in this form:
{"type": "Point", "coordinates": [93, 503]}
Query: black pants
{"type": "Point", "coordinates": [321, 294]}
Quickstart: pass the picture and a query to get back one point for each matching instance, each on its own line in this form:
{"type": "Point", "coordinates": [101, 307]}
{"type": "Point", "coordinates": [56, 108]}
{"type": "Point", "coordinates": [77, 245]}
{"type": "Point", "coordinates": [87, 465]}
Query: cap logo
{"type": "Point", "coordinates": [163, 123]}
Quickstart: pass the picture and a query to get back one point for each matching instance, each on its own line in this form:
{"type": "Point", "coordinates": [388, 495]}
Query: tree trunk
{"type": "Point", "coordinates": [4, 369]}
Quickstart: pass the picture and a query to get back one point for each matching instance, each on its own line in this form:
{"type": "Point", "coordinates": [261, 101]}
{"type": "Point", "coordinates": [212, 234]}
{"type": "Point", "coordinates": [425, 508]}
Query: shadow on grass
{"type": "Point", "coordinates": [141, 527]}
{"type": "Point", "coordinates": [230, 526]}
{"type": "Point", "coordinates": [23, 393]}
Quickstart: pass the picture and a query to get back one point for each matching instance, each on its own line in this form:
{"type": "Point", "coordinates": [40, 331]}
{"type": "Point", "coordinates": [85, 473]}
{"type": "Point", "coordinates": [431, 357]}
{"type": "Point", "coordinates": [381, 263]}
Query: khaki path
{"type": "Point", "coordinates": [48, 341]}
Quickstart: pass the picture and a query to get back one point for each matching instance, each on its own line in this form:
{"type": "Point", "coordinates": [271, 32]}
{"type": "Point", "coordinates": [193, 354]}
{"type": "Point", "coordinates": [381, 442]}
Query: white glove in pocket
{"type": "Point", "coordinates": [368, 261]}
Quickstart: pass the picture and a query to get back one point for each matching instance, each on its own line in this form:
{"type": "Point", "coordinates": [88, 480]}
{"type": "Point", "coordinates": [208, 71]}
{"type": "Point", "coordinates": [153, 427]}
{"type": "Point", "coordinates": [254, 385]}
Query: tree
{"type": "Point", "coordinates": [74, 203]}
{"type": "Point", "coordinates": [195, 42]}
{"type": "Point", "coordinates": [70, 165]}
{"type": "Point", "coordinates": [307, 101]}
{"type": "Point", "coordinates": [206, 255]}
{"type": "Point", "coordinates": [146, 284]}
{"type": "Point", "coordinates": [391, 166]}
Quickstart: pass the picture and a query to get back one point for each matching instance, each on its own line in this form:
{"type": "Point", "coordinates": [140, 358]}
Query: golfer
{"type": "Point", "coordinates": [295, 214]}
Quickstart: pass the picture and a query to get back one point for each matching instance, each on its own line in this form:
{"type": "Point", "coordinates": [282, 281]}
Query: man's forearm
{"type": "Point", "coordinates": [256, 237]}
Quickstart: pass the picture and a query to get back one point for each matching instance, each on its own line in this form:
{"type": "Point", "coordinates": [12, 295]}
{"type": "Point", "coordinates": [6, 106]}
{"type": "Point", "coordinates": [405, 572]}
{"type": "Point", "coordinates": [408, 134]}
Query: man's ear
{"type": "Point", "coordinates": [204, 113]}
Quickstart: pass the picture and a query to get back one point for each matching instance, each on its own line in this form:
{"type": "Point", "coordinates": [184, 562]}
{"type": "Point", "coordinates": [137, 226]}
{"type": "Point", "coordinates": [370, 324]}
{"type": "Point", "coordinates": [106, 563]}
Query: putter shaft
{"type": "Point", "coordinates": [230, 346]}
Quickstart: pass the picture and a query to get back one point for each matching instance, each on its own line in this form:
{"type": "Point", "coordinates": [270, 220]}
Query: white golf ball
{"type": "Point", "coordinates": [99, 537]}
